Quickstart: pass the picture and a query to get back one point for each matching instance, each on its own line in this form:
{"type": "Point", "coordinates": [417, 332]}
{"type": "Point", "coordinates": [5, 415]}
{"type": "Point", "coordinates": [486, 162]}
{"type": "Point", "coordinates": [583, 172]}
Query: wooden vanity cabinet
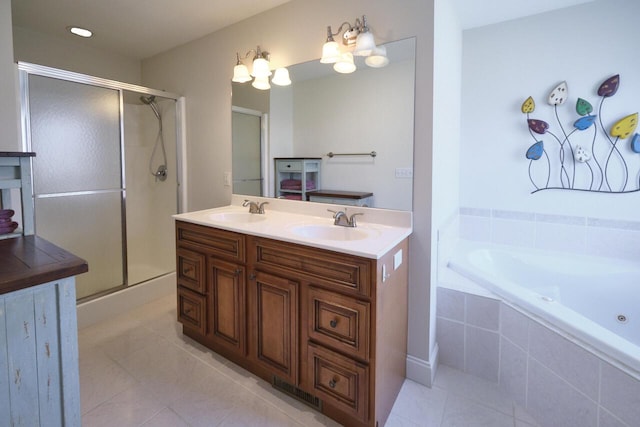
{"type": "Point", "coordinates": [211, 279]}
{"type": "Point", "coordinates": [327, 324]}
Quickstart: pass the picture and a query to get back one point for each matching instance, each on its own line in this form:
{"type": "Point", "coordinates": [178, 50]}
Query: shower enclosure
{"type": "Point", "coordinates": [106, 173]}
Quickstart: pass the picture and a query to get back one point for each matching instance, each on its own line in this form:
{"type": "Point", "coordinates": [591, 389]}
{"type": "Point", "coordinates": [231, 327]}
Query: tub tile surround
{"type": "Point", "coordinates": [546, 371]}
{"type": "Point", "coordinates": [583, 235]}
{"type": "Point", "coordinates": [556, 380]}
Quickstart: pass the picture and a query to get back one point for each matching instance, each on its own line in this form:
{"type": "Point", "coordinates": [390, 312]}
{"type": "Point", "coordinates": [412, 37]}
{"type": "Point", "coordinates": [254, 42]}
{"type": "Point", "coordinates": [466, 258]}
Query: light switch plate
{"type": "Point", "coordinates": [226, 177]}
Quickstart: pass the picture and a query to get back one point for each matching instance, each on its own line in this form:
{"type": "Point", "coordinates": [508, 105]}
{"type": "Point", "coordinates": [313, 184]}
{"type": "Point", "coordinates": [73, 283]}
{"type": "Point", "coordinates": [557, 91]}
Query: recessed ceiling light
{"type": "Point", "coordinates": [79, 31]}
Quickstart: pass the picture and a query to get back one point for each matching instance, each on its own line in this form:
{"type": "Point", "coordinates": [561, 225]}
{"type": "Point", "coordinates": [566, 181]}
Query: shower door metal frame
{"type": "Point", "coordinates": [26, 69]}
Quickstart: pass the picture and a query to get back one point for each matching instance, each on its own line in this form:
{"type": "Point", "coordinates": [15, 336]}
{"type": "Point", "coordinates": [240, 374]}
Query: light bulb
{"type": "Point", "coordinates": [330, 53]}
{"type": "Point", "coordinates": [364, 44]}
{"type": "Point", "coordinates": [281, 77]}
{"type": "Point", "coordinates": [345, 65]}
{"type": "Point", "coordinates": [378, 57]}
{"type": "Point", "coordinates": [261, 83]}
{"type": "Point", "coordinates": [240, 74]}
{"type": "Point", "coordinates": [261, 68]}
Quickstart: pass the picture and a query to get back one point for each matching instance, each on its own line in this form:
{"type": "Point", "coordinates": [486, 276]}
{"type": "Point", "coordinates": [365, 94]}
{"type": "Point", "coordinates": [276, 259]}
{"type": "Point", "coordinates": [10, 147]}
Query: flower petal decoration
{"type": "Point", "coordinates": [538, 126]}
{"type": "Point", "coordinates": [625, 127]}
{"type": "Point", "coordinates": [583, 107]}
{"type": "Point", "coordinates": [528, 106]}
{"type": "Point", "coordinates": [635, 143]}
{"type": "Point", "coordinates": [582, 155]}
{"type": "Point", "coordinates": [559, 94]}
{"type": "Point", "coordinates": [584, 122]}
{"type": "Point", "coordinates": [610, 86]}
{"type": "Point", "coordinates": [535, 151]}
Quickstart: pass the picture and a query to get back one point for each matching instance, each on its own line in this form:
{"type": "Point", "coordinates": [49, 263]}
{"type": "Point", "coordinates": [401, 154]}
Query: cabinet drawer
{"type": "Point", "coordinates": [192, 310]}
{"type": "Point", "coordinates": [342, 382]}
{"type": "Point", "coordinates": [339, 322]}
{"type": "Point", "coordinates": [341, 272]}
{"type": "Point", "coordinates": [190, 269]}
{"type": "Point", "coordinates": [292, 166]}
{"type": "Point", "coordinates": [213, 241]}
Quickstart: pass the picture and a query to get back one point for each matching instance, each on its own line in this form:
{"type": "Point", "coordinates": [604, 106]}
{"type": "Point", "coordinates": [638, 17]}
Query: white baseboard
{"type": "Point", "coordinates": [423, 371]}
{"type": "Point", "coordinates": [111, 305]}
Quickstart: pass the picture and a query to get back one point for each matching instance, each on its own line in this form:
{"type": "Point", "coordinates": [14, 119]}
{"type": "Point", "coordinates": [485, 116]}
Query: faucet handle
{"type": "Point", "coordinates": [261, 207]}
{"type": "Point", "coordinates": [352, 218]}
{"type": "Point", "coordinates": [336, 213]}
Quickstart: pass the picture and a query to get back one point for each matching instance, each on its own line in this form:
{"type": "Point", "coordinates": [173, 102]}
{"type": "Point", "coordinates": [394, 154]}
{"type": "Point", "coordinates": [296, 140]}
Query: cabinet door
{"type": "Point", "coordinates": [273, 305]}
{"type": "Point", "coordinates": [227, 302]}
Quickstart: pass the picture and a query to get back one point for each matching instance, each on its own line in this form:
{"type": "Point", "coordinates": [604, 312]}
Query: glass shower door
{"type": "Point", "coordinates": [76, 134]}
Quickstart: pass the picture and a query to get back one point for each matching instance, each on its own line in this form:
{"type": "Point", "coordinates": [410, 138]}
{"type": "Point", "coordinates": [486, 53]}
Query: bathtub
{"type": "Point", "coordinates": [594, 300]}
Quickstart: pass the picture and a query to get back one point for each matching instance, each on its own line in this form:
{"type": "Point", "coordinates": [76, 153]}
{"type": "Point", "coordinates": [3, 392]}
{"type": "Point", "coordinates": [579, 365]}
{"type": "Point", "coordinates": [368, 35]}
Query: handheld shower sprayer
{"type": "Point", "coordinates": [161, 172]}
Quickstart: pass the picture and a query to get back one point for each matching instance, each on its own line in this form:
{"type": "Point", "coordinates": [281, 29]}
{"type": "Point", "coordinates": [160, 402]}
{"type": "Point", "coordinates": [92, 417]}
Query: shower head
{"type": "Point", "coordinates": [151, 102]}
{"type": "Point", "coordinates": [148, 99]}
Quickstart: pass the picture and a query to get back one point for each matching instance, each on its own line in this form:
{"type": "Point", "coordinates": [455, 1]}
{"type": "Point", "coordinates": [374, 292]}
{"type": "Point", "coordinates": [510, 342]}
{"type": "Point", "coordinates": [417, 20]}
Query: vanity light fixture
{"type": "Point", "coordinates": [79, 31]}
{"type": "Point", "coordinates": [261, 71]}
{"type": "Point", "coordinates": [356, 36]}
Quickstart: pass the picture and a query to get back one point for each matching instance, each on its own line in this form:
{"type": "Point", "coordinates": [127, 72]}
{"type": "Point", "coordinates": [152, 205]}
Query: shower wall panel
{"type": "Point", "coordinates": [149, 202]}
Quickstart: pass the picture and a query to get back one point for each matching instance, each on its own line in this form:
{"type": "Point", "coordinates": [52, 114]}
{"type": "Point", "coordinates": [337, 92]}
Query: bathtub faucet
{"type": "Point", "coordinates": [342, 219]}
{"type": "Point", "coordinates": [254, 207]}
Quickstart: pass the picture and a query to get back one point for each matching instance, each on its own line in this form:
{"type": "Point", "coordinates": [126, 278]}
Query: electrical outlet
{"type": "Point", "coordinates": [404, 172]}
{"type": "Point", "coordinates": [226, 178]}
{"type": "Point", "coordinates": [397, 259]}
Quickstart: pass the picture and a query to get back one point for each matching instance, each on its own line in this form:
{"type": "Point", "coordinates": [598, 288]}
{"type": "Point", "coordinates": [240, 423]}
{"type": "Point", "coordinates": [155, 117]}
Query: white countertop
{"type": "Point", "coordinates": [377, 231]}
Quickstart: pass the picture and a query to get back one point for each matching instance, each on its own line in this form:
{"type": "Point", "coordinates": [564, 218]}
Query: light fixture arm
{"type": "Point", "coordinates": [351, 31]}
{"type": "Point", "coordinates": [256, 52]}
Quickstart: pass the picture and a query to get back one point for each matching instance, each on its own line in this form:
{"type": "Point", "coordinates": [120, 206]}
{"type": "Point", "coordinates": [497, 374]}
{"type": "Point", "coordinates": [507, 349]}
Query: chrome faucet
{"type": "Point", "coordinates": [254, 207]}
{"type": "Point", "coordinates": [342, 219]}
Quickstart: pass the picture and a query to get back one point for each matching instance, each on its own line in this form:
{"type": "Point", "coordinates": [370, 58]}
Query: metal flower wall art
{"type": "Point", "coordinates": [588, 155]}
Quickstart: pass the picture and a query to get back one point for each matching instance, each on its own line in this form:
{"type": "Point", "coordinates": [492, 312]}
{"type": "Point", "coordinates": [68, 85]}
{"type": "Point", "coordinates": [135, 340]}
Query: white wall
{"type": "Point", "coordinates": [10, 140]}
{"type": "Point", "coordinates": [294, 33]}
{"type": "Point", "coordinates": [446, 128]}
{"type": "Point", "coordinates": [503, 64]}
{"type": "Point", "coordinates": [72, 55]}
{"type": "Point", "coordinates": [359, 113]}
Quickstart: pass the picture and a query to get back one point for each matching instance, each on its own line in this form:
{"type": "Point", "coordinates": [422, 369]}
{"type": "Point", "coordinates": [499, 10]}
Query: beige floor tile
{"type": "Point", "coordinates": [139, 369]}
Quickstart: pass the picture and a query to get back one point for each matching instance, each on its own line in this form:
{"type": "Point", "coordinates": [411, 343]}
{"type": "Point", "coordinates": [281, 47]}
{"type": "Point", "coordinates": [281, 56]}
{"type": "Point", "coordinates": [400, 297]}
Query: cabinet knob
{"type": "Point", "coordinates": [333, 382]}
{"type": "Point", "coordinates": [187, 270]}
{"type": "Point", "coordinates": [252, 276]}
{"type": "Point", "coordinates": [238, 271]}
{"type": "Point", "coordinates": [333, 323]}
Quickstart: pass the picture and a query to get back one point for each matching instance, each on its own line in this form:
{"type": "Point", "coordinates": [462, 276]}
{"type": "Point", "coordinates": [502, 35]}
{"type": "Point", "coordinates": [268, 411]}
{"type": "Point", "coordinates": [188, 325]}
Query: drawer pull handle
{"type": "Point", "coordinates": [333, 323]}
{"type": "Point", "coordinates": [187, 270]}
{"type": "Point", "coordinates": [333, 382]}
{"type": "Point", "coordinates": [188, 311]}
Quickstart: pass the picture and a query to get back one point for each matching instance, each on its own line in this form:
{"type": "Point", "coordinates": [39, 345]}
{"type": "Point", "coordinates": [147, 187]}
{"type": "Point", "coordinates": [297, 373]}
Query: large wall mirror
{"type": "Point", "coordinates": [321, 112]}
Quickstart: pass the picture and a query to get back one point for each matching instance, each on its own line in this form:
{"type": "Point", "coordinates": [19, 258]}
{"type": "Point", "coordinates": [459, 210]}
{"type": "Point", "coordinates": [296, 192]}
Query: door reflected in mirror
{"type": "Point", "coordinates": [349, 115]}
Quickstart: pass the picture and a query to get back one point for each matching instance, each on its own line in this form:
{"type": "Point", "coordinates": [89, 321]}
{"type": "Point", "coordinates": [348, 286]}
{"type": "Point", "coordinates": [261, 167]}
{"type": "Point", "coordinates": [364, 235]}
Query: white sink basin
{"type": "Point", "coordinates": [333, 232]}
{"type": "Point", "coordinates": [237, 217]}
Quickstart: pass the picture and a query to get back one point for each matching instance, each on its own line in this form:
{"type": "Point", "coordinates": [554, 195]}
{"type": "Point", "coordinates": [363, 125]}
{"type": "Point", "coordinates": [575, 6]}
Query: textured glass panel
{"type": "Point", "coordinates": [75, 132]}
{"type": "Point", "coordinates": [150, 202]}
{"type": "Point", "coordinates": [90, 227]}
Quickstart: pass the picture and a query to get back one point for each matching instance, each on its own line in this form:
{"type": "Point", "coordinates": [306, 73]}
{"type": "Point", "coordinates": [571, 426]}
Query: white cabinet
{"type": "Point", "coordinates": [295, 176]}
{"type": "Point", "coordinates": [15, 173]}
